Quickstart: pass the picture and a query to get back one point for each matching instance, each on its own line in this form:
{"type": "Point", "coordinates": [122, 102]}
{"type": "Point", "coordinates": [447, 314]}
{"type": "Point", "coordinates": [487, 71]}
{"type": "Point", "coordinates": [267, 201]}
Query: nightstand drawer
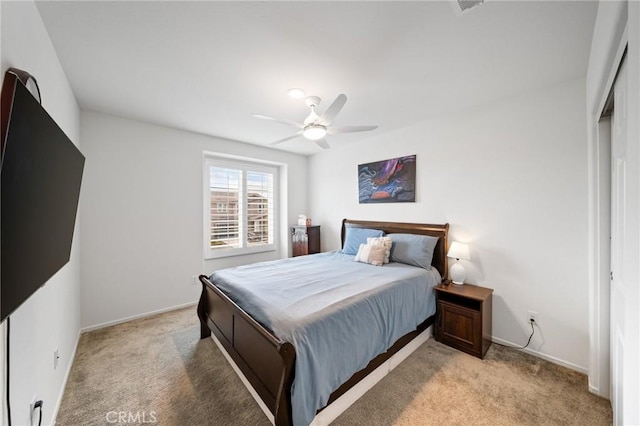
{"type": "Point", "coordinates": [458, 328]}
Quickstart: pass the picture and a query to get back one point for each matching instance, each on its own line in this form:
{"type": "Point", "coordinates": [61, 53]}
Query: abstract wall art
{"type": "Point", "coordinates": [388, 181]}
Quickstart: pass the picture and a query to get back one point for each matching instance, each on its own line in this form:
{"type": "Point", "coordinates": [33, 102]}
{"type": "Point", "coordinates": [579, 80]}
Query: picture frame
{"type": "Point", "coordinates": [388, 181]}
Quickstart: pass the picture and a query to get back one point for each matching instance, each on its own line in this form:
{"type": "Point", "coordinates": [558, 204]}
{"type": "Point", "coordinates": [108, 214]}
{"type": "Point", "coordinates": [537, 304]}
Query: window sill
{"type": "Point", "coordinates": [244, 251]}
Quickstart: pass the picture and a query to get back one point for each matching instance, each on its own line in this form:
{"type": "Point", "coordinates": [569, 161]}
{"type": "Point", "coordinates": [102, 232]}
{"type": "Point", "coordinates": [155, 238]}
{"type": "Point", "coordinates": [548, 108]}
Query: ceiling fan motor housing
{"type": "Point", "coordinates": [312, 101]}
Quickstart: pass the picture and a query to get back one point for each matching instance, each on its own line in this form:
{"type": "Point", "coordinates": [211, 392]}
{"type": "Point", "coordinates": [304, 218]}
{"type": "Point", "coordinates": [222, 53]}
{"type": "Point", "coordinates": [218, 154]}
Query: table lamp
{"type": "Point", "coordinates": [458, 251]}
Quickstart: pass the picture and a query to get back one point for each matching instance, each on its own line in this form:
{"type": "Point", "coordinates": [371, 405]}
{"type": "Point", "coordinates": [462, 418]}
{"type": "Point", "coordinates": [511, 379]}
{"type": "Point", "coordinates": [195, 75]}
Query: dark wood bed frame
{"type": "Point", "coordinates": [267, 362]}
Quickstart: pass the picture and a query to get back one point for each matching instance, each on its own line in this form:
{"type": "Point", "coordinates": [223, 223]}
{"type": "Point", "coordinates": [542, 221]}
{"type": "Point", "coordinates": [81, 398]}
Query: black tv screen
{"type": "Point", "coordinates": [40, 180]}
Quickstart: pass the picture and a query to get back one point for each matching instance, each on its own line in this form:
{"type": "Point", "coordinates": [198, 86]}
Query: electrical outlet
{"type": "Point", "coordinates": [532, 316]}
{"type": "Point", "coordinates": [56, 358]}
{"type": "Point", "coordinates": [194, 280]}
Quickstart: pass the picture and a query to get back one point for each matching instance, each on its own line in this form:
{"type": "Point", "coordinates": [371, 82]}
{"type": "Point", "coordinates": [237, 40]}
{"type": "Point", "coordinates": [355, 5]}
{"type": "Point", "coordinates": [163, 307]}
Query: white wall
{"type": "Point", "coordinates": [50, 319]}
{"type": "Point", "coordinates": [142, 232]}
{"type": "Point", "coordinates": [511, 179]}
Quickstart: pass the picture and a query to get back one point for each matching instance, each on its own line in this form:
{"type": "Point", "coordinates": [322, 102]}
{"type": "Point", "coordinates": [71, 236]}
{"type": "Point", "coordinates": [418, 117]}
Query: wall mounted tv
{"type": "Point", "coordinates": [40, 179]}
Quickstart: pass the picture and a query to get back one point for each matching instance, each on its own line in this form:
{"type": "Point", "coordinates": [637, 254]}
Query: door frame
{"type": "Point", "coordinates": [599, 205]}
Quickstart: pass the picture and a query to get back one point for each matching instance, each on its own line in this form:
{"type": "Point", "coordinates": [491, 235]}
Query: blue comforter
{"type": "Point", "coordinates": [338, 314]}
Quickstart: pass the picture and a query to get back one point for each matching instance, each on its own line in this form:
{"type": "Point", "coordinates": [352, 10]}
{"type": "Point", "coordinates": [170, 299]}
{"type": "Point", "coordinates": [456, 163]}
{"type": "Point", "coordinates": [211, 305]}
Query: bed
{"type": "Point", "coordinates": [270, 353]}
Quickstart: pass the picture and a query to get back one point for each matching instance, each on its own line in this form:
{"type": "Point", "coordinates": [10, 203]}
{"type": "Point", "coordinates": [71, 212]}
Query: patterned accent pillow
{"type": "Point", "coordinates": [371, 254]}
{"type": "Point", "coordinates": [386, 242]}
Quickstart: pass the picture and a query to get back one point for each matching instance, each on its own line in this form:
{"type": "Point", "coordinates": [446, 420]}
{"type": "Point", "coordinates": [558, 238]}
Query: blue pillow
{"type": "Point", "coordinates": [356, 236]}
{"type": "Point", "coordinates": [411, 249]}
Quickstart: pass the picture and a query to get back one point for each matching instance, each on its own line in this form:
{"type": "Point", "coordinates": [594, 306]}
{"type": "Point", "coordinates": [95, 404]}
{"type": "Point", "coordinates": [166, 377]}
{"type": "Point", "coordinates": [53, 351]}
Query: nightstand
{"type": "Point", "coordinates": [463, 317]}
{"type": "Point", "coordinates": [305, 240]}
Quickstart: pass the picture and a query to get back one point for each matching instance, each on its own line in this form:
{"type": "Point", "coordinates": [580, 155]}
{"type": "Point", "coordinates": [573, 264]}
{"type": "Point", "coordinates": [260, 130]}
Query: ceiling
{"type": "Point", "coordinates": [206, 66]}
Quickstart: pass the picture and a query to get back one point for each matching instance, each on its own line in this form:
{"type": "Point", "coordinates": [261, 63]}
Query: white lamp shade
{"type": "Point", "coordinates": [459, 251]}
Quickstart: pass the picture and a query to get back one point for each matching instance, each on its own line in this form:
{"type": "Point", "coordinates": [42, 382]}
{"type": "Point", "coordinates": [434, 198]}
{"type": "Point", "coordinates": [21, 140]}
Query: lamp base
{"type": "Point", "coordinates": [457, 273]}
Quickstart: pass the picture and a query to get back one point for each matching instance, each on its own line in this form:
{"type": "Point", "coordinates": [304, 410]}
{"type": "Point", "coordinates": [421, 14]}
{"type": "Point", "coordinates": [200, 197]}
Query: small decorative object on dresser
{"type": "Point", "coordinates": [458, 251]}
{"type": "Point", "coordinates": [463, 317]}
{"type": "Point", "coordinates": [305, 240]}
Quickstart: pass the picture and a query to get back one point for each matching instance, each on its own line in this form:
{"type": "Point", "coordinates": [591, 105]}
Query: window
{"type": "Point", "coordinates": [239, 207]}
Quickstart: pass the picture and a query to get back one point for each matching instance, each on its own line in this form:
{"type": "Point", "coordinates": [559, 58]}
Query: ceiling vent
{"type": "Point", "coordinates": [463, 6]}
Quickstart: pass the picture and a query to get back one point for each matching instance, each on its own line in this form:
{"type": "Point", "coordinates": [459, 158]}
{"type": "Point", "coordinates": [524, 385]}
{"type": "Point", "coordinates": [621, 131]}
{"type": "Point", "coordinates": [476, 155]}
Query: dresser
{"type": "Point", "coordinates": [305, 240]}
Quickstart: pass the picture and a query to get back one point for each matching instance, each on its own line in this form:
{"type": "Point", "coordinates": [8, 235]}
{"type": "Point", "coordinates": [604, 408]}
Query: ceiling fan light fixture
{"type": "Point", "coordinates": [316, 127]}
{"type": "Point", "coordinates": [314, 132]}
{"type": "Point", "coordinates": [295, 93]}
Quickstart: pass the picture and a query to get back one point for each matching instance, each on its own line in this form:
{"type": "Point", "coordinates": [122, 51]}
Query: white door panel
{"type": "Point", "coordinates": [618, 241]}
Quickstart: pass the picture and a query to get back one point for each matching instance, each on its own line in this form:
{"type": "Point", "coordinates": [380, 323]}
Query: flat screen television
{"type": "Point", "coordinates": [40, 179]}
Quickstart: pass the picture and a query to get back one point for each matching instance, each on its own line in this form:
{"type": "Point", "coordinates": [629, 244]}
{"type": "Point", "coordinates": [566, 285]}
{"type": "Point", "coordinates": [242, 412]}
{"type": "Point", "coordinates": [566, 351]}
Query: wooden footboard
{"type": "Point", "coordinates": [267, 362]}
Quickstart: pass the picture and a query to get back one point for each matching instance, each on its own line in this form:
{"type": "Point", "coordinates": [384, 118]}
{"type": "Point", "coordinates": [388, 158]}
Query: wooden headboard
{"type": "Point", "coordinates": [440, 231]}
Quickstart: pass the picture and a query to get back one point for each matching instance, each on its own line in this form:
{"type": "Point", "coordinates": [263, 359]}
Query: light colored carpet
{"type": "Point", "coordinates": [157, 369]}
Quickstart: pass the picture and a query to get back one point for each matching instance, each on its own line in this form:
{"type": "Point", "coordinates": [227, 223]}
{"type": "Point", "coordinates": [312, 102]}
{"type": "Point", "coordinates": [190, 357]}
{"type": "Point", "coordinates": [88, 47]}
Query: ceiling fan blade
{"type": "Point", "coordinates": [349, 129]}
{"type": "Point", "coordinates": [279, 120]}
{"type": "Point", "coordinates": [322, 143]}
{"type": "Point", "coordinates": [333, 110]}
{"type": "Point", "coordinates": [295, 135]}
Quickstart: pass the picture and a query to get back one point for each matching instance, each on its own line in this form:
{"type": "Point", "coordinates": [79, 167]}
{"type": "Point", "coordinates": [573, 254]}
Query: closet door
{"type": "Point", "coordinates": [619, 247]}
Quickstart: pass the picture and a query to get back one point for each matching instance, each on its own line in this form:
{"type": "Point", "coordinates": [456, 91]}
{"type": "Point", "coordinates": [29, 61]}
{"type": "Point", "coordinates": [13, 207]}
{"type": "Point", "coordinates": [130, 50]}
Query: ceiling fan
{"type": "Point", "coordinates": [316, 127]}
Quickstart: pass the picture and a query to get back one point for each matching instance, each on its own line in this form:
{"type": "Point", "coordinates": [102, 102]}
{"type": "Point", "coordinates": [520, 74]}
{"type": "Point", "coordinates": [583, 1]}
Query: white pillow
{"type": "Point", "coordinates": [371, 254]}
{"type": "Point", "coordinates": [386, 242]}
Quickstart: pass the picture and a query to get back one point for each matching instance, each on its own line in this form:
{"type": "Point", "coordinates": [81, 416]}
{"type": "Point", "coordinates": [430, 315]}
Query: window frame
{"type": "Point", "coordinates": [246, 165]}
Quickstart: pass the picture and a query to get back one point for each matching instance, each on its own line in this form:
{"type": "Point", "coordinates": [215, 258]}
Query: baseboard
{"type": "Point", "coordinates": [135, 317]}
{"type": "Point", "coordinates": [337, 407]}
{"type": "Point", "coordinates": [563, 363]}
{"type": "Point", "coordinates": [66, 378]}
